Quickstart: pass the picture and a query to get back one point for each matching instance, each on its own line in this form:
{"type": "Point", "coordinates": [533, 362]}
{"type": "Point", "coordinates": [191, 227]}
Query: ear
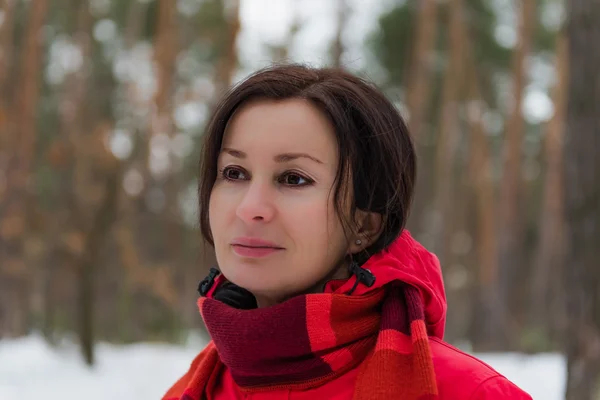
{"type": "Point", "coordinates": [369, 226]}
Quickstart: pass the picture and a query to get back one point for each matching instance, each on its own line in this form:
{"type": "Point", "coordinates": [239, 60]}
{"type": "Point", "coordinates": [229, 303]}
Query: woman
{"type": "Point", "coordinates": [306, 185]}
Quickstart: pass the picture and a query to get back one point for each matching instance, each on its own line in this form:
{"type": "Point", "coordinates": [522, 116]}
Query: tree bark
{"type": "Point", "coordinates": [135, 17]}
{"type": "Point", "coordinates": [550, 251]}
{"type": "Point", "coordinates": [449, 136]}
{"type": "Point", "coordinates": [582, 201]}
{"type": "Point", "coordinates": [228, 63]}
{"type": "Point", "coordinates": [7, 47]}
{"type": "Point", "coordinates": [480, 168]}
{"type": "Point", "coordinates": [337, 48]}
{"type": "Point", "coordinates": [94, 242]}
{"type": "Point", "coordinates": [6, 148]}
{"type": "Point", "coordinates": [166, 49]}
{"type": "Point", "coordinates": [419, 84]}
{"type": "Point", "coordinates": [511, 196]}
{"type": "Point", "coordinates": [75, 125]}
{"type": "Point", "coordinates": [29, 90]}
{"type": "Point", "coordinates": [129, 208]}
{"type": "Point", "coordinates": [16, 205]}
{"type": "Point", "coordinates": [165, 53]}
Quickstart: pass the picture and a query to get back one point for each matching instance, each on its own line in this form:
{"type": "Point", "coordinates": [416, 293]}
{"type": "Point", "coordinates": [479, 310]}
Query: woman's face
{"type": "Point", "coordinates": [275, 228]}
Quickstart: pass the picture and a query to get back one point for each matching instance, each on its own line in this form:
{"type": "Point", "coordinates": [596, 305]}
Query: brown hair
{"type": "Point", "coordinates": [375, 148]}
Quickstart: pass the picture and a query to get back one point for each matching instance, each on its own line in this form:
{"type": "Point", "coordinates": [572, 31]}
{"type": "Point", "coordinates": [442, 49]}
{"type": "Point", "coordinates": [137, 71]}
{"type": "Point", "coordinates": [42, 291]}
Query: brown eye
{"type": "Point", "coordinates": [233, 174]}
{"type": "Point", "coordinates": [294, 179]}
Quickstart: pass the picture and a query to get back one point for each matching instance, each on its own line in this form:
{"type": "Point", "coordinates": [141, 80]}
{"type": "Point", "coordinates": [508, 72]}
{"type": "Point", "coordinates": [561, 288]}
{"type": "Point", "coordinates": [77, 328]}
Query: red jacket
{"type": "Point", "coordinates": [459, 375]}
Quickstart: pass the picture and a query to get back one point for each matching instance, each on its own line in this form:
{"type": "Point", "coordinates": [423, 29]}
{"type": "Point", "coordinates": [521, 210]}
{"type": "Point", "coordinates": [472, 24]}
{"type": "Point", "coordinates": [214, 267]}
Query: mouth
{"type": "Point", "coordinates": [254, 251]}
{"type": "Point", "coordinates": [254, 248]}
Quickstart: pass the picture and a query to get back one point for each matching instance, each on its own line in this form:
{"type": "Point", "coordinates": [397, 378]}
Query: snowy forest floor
{"type": "Point", "coordinates": [30, 369]}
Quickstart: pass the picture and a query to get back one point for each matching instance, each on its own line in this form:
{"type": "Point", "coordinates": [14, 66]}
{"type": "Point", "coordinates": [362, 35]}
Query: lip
{"type": "Point", "coordinates": [254, 247]}
{"type": "Point", "coordinates": [254, 242]}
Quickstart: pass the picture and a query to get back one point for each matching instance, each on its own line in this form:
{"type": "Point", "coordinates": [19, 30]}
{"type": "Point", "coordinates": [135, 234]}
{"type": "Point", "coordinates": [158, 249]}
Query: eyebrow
{"type": "Point", "coordinates": [280, 158]}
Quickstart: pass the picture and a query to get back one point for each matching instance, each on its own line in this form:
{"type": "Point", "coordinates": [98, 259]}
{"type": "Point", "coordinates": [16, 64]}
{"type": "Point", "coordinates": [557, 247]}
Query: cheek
{"type": "Point", "coordinates": [218, 214]}
{"type": "Point", "coordinates": [213, 212]}
{"type": "Point", "coordinates": [218, 210]}
{"type": "Point", "coordinates": [316, 225]}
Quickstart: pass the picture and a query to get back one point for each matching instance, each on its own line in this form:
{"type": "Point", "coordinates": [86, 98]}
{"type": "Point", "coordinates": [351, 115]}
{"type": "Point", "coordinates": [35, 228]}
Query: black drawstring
{"type": "Point", "coordinates": [206, 283]}
{"type": "Point", "coordinates": [363, 276]}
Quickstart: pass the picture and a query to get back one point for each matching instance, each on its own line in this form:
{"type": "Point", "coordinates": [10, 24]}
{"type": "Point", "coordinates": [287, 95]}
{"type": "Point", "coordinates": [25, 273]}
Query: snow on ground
{"type": "Point", "coordinates": [542, 376]}
{"type": "Point", "coordinates": [29, 369]}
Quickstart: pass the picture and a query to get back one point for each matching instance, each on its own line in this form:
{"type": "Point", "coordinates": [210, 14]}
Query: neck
{"type": "Point", "coordinates": [268, 300]}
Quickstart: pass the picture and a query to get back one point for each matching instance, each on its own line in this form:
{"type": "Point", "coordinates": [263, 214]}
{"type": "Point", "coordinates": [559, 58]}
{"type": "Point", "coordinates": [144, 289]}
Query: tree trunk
{"type": "Point", "coordinates": [165, 53]}
{"type": "Point", "coordinates": [480, 167]}
{"type": "Point", "coordinates": [419, 84]}
{"type": "Point", "coordinates": [337, 48]}
{"type": "Point", "coordinates": [129, 207]}
{"type": "Point", "coordinates": [6, 149]}
{"type": "Point", "coordinates": [93, 171]}
{"type": "Point", "coordinates": [548, 259]}
{"type": "Point", "coordinates": [418, 94]}
{"type": "Point", "coordinates": [166, 49]}
{"type": "Point", "coordinates": [449, 136]}
{"type": "Point", "coordinates": [29, 90]}
{"type": "Point", "coordinates": [511, 196]}
{"type": "Point", "coordinates": [16, 205]}
{"type": "Point", "coordinates": [62, 153]}
{"type": "Point", "coordinates": [136, 15]}
{"type": "Point", "coordinates": [75, 125]}
{"type": "Point", "coordinates": [228, 63]}
{"type": "Point", "coordinates": [582, 201]}
{"type": "Point", "coordinates": [94, 242]}
{"type": "Point", "coordinates": [7, 47]}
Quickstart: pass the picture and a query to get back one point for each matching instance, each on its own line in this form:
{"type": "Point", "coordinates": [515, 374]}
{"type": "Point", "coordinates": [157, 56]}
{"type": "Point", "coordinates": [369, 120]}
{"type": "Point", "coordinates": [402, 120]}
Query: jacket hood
{"type": "Point", "coordinates": [405, 260]}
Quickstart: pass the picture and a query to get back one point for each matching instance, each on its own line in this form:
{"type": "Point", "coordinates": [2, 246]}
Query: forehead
{"type": "Point", "coordinates": [293, 125]}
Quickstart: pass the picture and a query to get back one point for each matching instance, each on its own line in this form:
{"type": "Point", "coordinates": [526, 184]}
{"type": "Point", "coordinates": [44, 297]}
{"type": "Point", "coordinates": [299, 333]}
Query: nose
{"type": "Point", "coordinates": [257, 203]}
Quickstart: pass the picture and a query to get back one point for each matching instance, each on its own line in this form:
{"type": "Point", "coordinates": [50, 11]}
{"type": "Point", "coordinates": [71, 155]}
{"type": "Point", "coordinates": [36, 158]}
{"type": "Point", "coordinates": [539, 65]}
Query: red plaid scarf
{"type": "Point", "coordinates": [312, 339]}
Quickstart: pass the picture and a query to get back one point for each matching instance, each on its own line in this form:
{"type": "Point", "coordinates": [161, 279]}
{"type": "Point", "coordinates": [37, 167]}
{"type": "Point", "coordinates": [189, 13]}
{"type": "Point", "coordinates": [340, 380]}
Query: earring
{"type": "Point", "coordinates": [358, 242]}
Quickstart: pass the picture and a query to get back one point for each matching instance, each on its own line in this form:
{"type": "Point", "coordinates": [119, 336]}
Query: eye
{"type": "Point", "coordinates": [233, 174]}
{"type": "Point", "coordinates": [294, 179]}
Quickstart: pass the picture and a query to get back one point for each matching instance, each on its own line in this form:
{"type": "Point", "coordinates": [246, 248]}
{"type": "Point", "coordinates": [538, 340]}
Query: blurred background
{"type": "Point", "coordinates": [102, 109]}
